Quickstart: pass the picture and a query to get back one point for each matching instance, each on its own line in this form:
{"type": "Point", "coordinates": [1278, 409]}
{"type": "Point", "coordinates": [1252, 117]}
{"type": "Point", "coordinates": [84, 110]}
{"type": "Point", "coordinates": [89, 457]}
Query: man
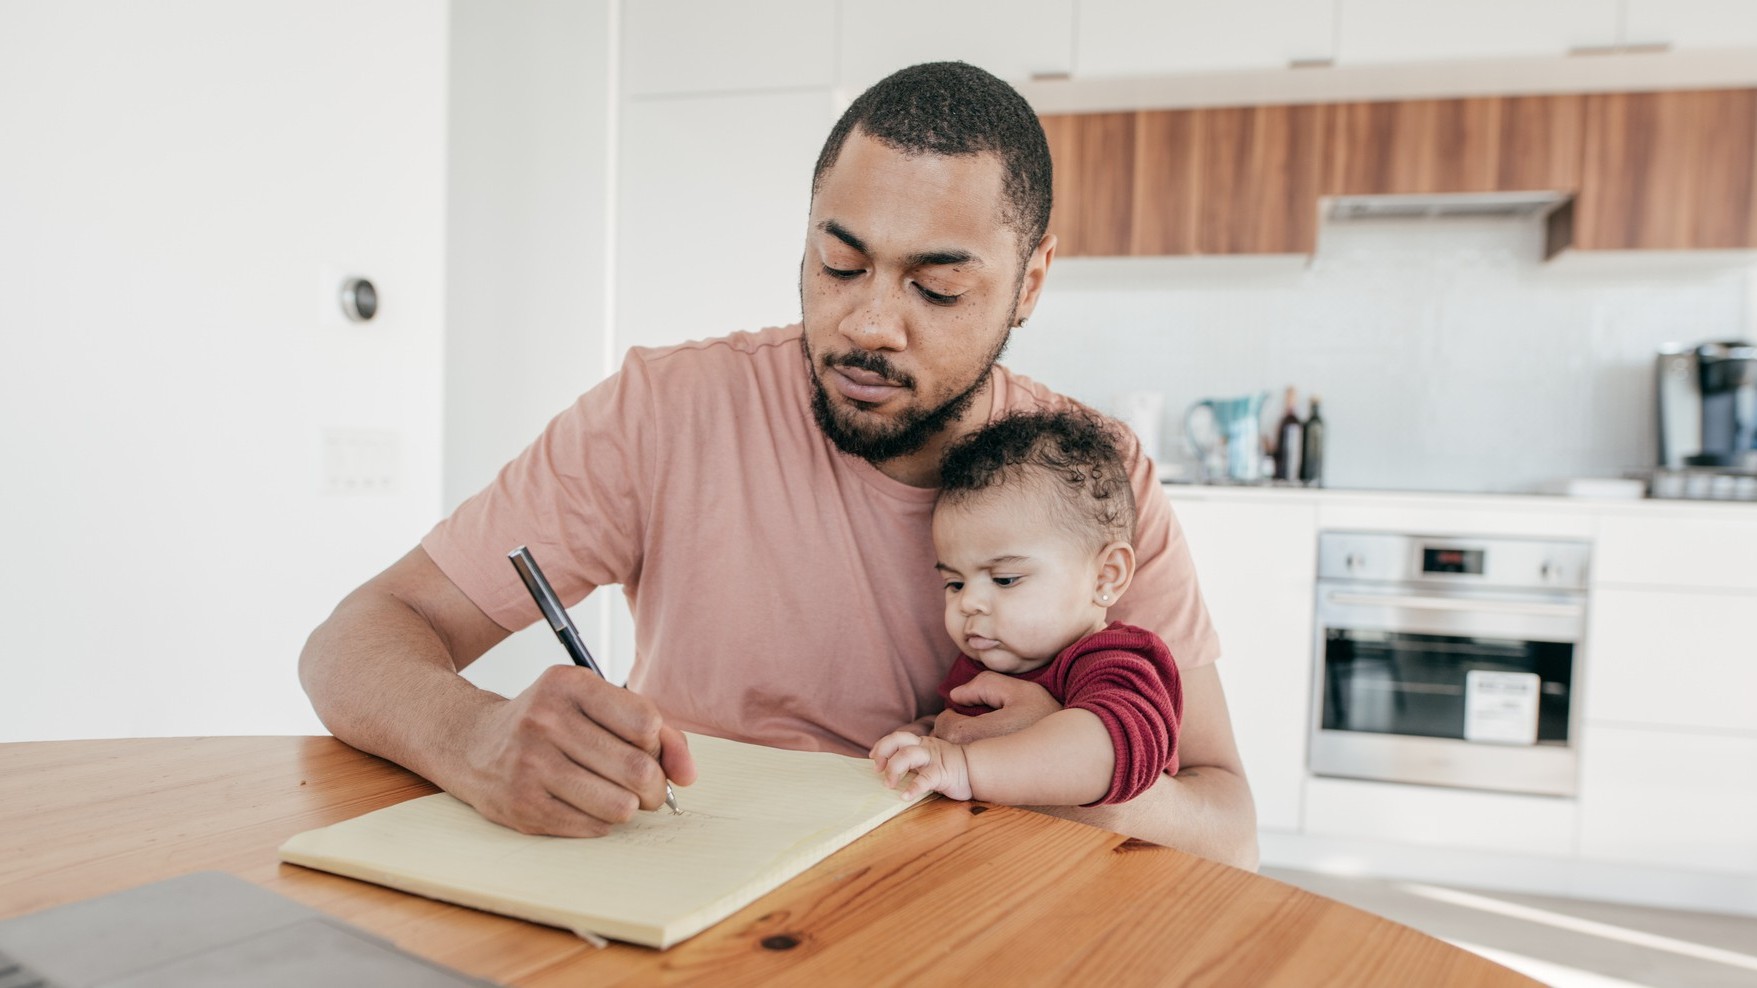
{"type": "Point", "coordinates": [765, 501]}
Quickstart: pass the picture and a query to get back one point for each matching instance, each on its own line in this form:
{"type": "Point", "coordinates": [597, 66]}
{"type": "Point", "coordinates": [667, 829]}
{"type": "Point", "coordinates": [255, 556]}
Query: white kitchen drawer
{"type": "Point", "coordinates": [1461, 516]}
{"type": "Point", "coordinates": [1684, 800]}
{"type": "Point", "coordinates": [1429, 815]}
{"type": "Point", "coordinates": [1716, 551]}
{"type": "Point", "coordinates": [1672, 658]}
{"type": "Point", "coordinates": [1255, 562]}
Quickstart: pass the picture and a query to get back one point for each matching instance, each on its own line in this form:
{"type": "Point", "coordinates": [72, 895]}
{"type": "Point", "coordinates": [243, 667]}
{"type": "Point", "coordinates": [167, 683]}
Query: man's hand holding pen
{"type": "Point", "coordinates": [572, 756]}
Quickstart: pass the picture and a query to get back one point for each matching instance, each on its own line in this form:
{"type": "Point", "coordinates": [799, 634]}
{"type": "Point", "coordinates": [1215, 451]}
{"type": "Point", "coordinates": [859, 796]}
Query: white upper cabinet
{"type": "Point", "coordinates": [1166, 37]}
{"type": "Point", "coordinates": [1685, 24]}
{"type": "Point", "coordinates": [706, 46]}
{"type": "Point", "coordinates": [1014, 39]}
{"type": "Point", "coordinates": [1373, 31]}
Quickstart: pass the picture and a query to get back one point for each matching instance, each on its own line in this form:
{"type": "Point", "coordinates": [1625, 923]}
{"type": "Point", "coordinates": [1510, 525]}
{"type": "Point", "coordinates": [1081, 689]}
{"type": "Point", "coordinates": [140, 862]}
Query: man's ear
{"type": "Point", "coordinates": [1031, 284]}
{"type": "Point", "coordinates": [1116, 570]}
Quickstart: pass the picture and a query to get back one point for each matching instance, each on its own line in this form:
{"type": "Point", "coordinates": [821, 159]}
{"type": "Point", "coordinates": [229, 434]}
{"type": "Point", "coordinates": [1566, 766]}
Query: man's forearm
{"type": "Point", "coordinates": [382, 680]}
{"type": "Point", "coordinates": [1203, 810]}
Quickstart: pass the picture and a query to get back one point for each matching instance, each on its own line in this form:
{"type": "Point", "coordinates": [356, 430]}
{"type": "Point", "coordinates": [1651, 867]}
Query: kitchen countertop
{"type": "Point", "coordinates": [1538, 503]}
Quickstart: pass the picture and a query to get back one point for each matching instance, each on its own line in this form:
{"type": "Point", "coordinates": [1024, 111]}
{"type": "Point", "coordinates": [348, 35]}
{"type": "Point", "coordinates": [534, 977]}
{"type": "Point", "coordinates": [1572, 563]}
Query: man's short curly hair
{"type": "Point", "coordinates": [954, 109]}
{"type": "Point", "coordinates": [1072, 454]}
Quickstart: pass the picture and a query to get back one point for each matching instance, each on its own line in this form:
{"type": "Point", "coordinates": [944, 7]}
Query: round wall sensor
{"type": "Point", "coordinates": [359, 299]}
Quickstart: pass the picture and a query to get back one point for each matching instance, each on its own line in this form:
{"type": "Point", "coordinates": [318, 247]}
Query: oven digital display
{"type": "Point", "coordinates": [1441, 560]}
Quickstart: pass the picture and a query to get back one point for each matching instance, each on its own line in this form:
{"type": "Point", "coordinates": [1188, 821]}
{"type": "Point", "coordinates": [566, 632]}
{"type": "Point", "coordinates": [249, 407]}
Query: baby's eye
{"type": "Point", "coordinates": [953, 586]}
{"type": "Point", "coordinates": [1006, 581]}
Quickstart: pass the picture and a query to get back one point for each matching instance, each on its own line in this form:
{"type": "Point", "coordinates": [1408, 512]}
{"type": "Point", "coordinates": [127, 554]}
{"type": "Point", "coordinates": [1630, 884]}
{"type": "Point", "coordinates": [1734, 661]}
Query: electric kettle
{"type": "Point", "coordinates": [1227, 435]}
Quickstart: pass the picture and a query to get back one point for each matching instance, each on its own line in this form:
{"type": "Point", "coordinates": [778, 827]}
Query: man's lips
{"type": "Point", "coordinates": [863, 385]}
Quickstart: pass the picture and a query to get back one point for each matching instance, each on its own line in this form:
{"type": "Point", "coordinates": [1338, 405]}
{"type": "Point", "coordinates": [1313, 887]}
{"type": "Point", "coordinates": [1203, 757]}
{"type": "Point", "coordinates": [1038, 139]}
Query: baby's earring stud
{"type": "Point", "coordinates": [1104, 598]}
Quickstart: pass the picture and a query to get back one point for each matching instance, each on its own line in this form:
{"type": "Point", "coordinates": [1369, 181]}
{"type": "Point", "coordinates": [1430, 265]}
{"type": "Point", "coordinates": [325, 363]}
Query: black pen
{"type": "Point", "coordinates": [556, 615]}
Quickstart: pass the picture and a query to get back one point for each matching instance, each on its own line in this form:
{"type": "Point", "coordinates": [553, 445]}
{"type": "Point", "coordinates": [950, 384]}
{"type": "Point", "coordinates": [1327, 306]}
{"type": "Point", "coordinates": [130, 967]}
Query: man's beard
{"type": "Point", "coordinates": [911, 430]}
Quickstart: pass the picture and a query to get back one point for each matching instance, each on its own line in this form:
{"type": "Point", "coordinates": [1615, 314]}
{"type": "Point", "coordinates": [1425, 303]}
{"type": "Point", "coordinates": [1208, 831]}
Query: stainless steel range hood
{"type": "Point", "coordinates": [1471, 205]}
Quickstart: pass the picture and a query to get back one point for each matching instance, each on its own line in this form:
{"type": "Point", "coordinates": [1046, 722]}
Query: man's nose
{"type": "Point", "coordinates": [877, 323]}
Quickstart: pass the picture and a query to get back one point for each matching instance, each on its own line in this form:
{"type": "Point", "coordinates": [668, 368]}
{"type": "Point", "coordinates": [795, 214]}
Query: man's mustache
{"type": "Point", "coordinates": [872, 362]}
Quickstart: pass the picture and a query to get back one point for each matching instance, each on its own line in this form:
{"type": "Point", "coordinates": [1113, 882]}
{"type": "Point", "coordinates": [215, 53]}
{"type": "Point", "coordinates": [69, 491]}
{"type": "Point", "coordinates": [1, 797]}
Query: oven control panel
{"type": "Point", "coordinates": [1439, 560]}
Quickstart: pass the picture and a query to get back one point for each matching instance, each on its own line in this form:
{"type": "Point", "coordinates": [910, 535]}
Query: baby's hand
{"type": "Point", "coordinates": [938, 765]}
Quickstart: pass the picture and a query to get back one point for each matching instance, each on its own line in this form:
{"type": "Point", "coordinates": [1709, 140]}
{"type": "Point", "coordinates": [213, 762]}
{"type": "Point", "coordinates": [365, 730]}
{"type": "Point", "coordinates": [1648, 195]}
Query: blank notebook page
{"type": "Point", "coordinates": [755, 818]}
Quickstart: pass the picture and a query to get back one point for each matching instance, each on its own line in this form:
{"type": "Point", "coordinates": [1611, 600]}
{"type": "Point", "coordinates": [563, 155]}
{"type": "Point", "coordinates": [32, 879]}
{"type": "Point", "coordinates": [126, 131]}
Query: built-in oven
{"type": "Point", "coordinates": [1449, 661]}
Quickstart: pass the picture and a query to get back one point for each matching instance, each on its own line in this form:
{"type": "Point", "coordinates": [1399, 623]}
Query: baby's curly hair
{"type": "Point", "coordinates": [1071, 454]}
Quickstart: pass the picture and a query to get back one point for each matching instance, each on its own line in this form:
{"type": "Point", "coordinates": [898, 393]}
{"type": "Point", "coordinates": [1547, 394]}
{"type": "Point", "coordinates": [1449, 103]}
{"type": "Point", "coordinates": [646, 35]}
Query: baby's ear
{"type": "Point", "coordinates": [1116, 570]}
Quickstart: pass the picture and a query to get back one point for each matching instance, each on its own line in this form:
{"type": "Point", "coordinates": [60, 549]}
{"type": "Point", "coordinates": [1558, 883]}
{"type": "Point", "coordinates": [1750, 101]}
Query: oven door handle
{"type": "Point", "coordinates": [1415, 602]}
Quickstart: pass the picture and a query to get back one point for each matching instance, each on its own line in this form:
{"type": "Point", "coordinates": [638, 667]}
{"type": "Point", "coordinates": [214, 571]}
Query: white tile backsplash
{"type": "Point", "coordinates": [1449, 356]}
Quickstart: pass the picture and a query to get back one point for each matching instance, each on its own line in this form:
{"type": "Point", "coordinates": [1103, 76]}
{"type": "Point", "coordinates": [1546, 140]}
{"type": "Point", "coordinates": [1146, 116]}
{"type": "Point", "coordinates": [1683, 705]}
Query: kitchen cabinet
{"type": "Point", "coordinates": [708, 47]}
{"type": "Point", "coordinates": [1165, 37]}
{"type": "Point", "coordinates": [1485, 144]}
{"type": "Point", "coordinates": [1260, 173]}
{"type": "Point", "coordinates": [1094, 158]}
{"type": "Point", "coordinates": [1672, 658]}
{"type": "Point", "coordinates": [1227, 180]}
{"type": "Point", "coordinates": [1669, 170]}
{"type": "Point", "coordinates": [1165, 199]}
{"type": "Point", "coordinates": [1696, 547]}
{"type": "Point", "coordinates": [1379, 31]}
{"type": "Point", "coordinates": [1432, 816]}
{"type": "Point", "coordinates": [1014, 39]}
{"type": "Point", "coordinates": [1255, 563]}
{"type": "Point", "coordinates": [1687, 24]}
{"type": "Point", "coordinates": [1669, 798]}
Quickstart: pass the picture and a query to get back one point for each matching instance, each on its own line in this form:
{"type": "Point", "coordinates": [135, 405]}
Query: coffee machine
{"type": "Point", "coordinates": [1708, 407]}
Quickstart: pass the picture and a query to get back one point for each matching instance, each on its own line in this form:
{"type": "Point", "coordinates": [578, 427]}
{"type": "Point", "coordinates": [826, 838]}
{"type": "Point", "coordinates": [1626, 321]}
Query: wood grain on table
{"type": "Point", "coordinates": [946, 892]}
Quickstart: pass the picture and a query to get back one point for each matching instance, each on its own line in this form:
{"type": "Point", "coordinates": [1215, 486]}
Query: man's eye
{"type": "Point", "coordinates": [935, 297]}
{"type": "Point", "coordinates": [840, 274]}
{"type": "Point", "coordinates": [1005, 581]}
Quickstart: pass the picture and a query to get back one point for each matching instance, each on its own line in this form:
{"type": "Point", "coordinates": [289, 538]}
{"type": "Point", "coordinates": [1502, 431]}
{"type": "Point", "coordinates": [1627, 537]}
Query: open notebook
{"type": "Point", "coordinates": [756, 817]}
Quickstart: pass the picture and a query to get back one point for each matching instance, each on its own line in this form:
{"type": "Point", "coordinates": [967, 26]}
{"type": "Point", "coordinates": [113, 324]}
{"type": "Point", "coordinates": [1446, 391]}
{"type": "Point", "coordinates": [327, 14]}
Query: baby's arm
{"type": "Point", "coordinates": [1065, 759]}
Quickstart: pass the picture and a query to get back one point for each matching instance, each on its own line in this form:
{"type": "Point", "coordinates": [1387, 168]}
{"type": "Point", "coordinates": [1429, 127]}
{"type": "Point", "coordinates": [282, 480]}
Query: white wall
{"type": "Point", "coordinates": [1449, 357]}
{"type": "Point", "coordinates": [528, 226]}
{"type": "Point", "coordinates": [179, 179]}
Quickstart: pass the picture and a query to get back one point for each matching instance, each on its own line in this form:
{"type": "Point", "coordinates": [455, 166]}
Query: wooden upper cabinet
{"type": "Point", "coordinates": [1235, 180]}
{"type": "Point", "coordinates": [1484, 144]}
{"type": "Point", "coordinates": [1669, 170]}
{"type": "Point", "coordinates": [1094, 160]}
{"type": "Point", "coordinates": [1259, 174]}
{"type": "Point", "coordinates": [1167, 146]}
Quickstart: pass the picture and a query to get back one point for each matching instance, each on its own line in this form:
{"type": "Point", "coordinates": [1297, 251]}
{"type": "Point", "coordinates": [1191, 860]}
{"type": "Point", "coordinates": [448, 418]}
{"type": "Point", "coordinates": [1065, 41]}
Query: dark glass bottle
{"type": "Point", "coordinates": [1311, 464]}
{"type": "Point", "coordinates": [1289, 443]}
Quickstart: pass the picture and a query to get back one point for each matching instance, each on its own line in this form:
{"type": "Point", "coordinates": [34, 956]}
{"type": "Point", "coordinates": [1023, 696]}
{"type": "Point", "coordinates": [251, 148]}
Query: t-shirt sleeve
{"type": "Point", "coordinates": [1141, 705]}
{"type": "Point", "coordinates": [577, 497]}
{"type": "Point", "coordinates": [1164, 597]}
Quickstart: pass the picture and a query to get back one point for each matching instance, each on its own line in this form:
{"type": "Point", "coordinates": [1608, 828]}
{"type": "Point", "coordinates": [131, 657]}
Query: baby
{"type": "Point", "coordinates": [1032, 530]}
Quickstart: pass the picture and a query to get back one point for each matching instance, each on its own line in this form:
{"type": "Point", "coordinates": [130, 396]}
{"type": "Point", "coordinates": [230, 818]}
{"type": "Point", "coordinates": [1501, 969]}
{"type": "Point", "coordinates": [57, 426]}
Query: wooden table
{"type": "Point", "coordinates": [947, 892]}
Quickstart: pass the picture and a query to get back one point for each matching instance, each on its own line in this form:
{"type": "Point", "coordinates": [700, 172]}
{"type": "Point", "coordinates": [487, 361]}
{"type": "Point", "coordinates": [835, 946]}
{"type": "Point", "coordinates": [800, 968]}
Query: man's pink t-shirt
{"type": "Point", "coordinates": [783, 592]}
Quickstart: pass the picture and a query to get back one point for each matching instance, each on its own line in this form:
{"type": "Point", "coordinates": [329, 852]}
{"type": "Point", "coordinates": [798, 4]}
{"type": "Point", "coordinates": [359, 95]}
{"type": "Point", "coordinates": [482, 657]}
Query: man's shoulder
{"type": "Point", "coordinates": [774, 345]}
{"type": "Point", "coordinates": [1023, 394]}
